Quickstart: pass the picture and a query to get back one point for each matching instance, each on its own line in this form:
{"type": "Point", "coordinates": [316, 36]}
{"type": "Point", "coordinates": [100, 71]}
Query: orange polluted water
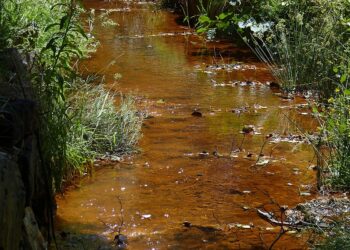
{"type": "Point", "coordinates": [173, 180]}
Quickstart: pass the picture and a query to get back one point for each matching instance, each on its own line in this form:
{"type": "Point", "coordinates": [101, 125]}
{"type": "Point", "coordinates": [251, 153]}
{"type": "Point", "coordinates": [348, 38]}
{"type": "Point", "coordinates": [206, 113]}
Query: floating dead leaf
{"type": "Point", "coordinates": [305, 194]}
{"type": "Point", "coordinates": [146, 216]}
{"type": "Point", "coordinates": [257, 106]}
{"type": "Point", "coordinates": [243, 226]}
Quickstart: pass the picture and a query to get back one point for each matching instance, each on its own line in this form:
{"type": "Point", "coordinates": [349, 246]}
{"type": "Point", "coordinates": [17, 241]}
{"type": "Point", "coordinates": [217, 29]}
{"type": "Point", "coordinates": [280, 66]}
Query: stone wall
{"type": "Point", "coordinates": [26, 199]}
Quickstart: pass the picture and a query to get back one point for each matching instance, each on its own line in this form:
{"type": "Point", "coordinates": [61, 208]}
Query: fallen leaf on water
{"type": "Point", "coordinates": [243, 226]}
{"type": "Point", "coordinates": [146, 216]}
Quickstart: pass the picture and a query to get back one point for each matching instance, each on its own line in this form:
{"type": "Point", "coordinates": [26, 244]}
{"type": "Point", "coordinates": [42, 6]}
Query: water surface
{"type": "Point", "coordinates": [170, 182]}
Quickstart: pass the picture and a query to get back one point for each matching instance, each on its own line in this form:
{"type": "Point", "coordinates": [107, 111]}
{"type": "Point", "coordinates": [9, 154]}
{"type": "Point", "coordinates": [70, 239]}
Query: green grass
{"type": "Point", "coordinates": [77, 122]}
{"type": "Point", "coordinates": [99, 127]}
{"type": "Point", "coordinates": [339, 241]}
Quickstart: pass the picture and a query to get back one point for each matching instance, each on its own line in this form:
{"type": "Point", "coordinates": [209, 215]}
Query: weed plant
{"type": "Point", "coordinates": [335, 128]}
{"type": "Point", "coordinates": [301, 41]}
{"type": "Point", "coordinates": [98, 127]}
{"type": "Point", "coordinates": [339, 241]}
{"type": "Point", "coordinates": [73, 130]}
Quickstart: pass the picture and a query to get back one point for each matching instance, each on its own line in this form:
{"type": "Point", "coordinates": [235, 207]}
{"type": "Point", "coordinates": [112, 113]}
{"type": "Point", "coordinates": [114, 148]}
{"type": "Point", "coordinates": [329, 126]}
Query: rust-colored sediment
{"type": "Point", "coordinates": [168, 183]}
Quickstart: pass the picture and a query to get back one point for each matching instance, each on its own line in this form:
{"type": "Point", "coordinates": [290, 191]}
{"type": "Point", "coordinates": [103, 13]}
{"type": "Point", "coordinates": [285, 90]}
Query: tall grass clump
{"type": "Point", "coordinates": [300, 41]}
{"type": "Point", "coordinates": [99, 127]}
{"type": "Point", "coordinates": [50, 36]}
{"type": "Point", "coordinates": [304, 45]}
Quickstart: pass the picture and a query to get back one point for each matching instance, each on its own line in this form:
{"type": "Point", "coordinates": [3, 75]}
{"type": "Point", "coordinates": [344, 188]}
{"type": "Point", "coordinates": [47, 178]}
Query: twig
{"type": "Point", "coordinates": [121, 215]}
{"type": "Point", "coordinates": [240, 147]}
{"type": "Point", "coordinates": [261, 150]}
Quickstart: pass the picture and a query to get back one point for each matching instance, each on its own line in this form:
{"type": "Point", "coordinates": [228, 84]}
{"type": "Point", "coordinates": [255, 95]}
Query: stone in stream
{"type": "Point", "coordinates": [121, 241]}
{"type": "Point", "coordinates": [274, 85]}
{"type": "Point", "coordinates": [248, 129]}
{"type": "Point", "coordinates": [196, 113]}
{"type": "Point", "coordinates": [203, 154]}
{"type": "Point", "coordinates": [187, 224]}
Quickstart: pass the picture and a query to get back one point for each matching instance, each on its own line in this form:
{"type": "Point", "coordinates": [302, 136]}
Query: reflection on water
{"type": "Point", "coordinates": [184, 172]}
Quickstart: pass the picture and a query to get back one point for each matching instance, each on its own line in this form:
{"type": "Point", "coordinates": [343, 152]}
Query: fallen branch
{"type": "Point", "coordinates": [298, 224]}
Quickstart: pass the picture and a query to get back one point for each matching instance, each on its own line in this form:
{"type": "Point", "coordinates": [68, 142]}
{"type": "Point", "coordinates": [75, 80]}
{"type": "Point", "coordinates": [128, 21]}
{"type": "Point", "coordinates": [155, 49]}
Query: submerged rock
{"type": "Point", "coordinates": [33, 236]}
{"type": "Point", "coordinates": [12, 203]}
{"type": "Point", "coordinates": [187, 224]}
{"type": "Point", "coordinates": [121, 241]}
{"type": "Point", "coordinates": [248, 129]}
{"type": "Point", "coordinates": [197, 114]}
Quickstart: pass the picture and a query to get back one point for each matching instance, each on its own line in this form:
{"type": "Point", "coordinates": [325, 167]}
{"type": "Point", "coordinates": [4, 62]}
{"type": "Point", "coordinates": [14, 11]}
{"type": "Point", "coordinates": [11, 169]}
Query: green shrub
{"type": "Point", "coordinates": [336, 130]}
{"type": "Point", "coordinates": [340, 241]}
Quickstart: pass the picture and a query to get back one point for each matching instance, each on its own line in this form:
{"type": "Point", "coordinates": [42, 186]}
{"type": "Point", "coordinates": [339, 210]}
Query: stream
{"type": "Point", "coordinates": [185, 189]}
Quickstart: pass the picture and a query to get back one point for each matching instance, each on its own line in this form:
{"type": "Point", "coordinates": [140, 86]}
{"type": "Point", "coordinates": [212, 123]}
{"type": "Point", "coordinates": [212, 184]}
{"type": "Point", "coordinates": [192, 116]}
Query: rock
{"type": "Point", "coordinates": [203, 154]}
{"type": "Point", "coordinates": [121, 240]}
{"type": "Point", "coordinates": [33, 237]}
{"type": "Point", "coordinates": [24, 181]}
{"type": "Point", "coordinates": [274, 85]}
{"type": "Point", "coordinates": [14, 83]}
{"type": "Point", "coordinates": [248, 129]}
{"type": "Point", "coordinates": [197, 114]}
{"type": "Point", "coordinates": [187, 224]}
{"type": "Point", "coordinates": [17, 120]}
{"type": "Point", "coordinates": [217, 154]}
{"type": "Point", "coordinates": [12, 203]}
{"type": "Point", "coordinates": [235, 191]}
{"type": "Point", "coordinates": [262, 162]}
